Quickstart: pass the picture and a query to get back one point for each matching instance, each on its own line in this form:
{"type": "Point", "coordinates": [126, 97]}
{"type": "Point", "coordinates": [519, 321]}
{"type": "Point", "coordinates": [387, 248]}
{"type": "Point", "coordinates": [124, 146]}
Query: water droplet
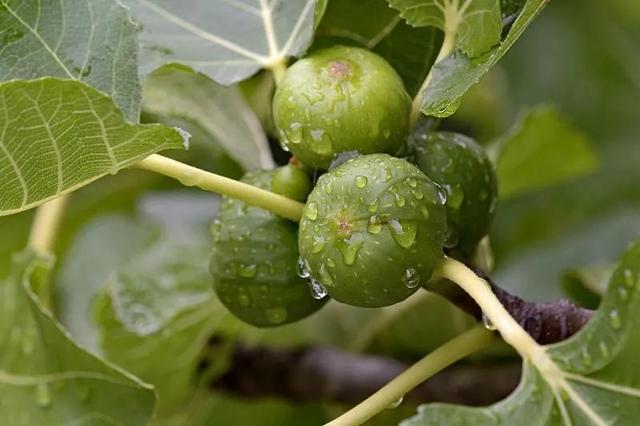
{"type": "Point", "coordinates": [244, 300]}
{"type": "Point", "coordinates": [400, 200]}
{"type": "Point", "coordinates": [350, 248]}
{"type": "Point", "coordinates": [318, 244]}
{"type": "Point", "coordinates": [586, 358]}
{"type": "Point", "coordinates": [276, 315]}
{"type": "Point", "coordinates": [311, 211]}
{"type": "Point", "coordinates": [374, 227]}
{"type": "Point", "coordinates": [373, 205]}
{"type": "Point", "coordinates": [294, 133]}
{"type": "Point", "coordinates": [417, 194]}
{"type": "Point", "coordinates": [425, 213]}
{"type": "Point", "coordinates": [628, 278]}
{"type": "Point", "coordinates": [325, 276]}
{"type": "Point", "coordinates": [302, 269]}
{"type": "Point", "coordinates": [412, 182]}
{"type": "Point", "coordinates": [604, 349]}
{"type": "Point", "coordinates": [317, 290]}
{"type": "Point", "coordinates": [451, 238]}
{"type": "Point", "coordinates": [388, 175]}
{"type": "Point", "coordinates": [403, 232]}
{"type": "Point", "coordinates": [330, 262]}
{"type": "Point", "coordinates": [411, 278]}
{"type": "Point", "coordinates": [442, 195]}
{"type": "Point", "coordinates": [361, 181]}
{"type": "Point", "coordinates": [328, 188]}
{"type": "Point", "coordinates": [43, 395]}
{"type": "Point", "coordinates": [623, 295]}
{"type": "Point", "coordinates": [487, 323]}
{"type": "Point", "coordinates": [247, 271]}
{"type": "Point", "coordinates": [614, 319]}
{"type": "Point", "coordinates": [455, 198]}
{"type": "Point", "coordinates": [396, 403]}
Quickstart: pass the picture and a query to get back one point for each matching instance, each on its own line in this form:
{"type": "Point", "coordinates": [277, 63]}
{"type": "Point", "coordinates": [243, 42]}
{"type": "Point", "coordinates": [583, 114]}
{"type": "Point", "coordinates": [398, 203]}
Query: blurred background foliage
{"type": "Point", "coordinates": [580, 59]}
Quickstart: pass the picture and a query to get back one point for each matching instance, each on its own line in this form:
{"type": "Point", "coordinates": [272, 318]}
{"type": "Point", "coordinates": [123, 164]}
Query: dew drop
{"type": "Point", "coordinates": [417, 194]}
{"type": "Point", "coordinates": [294, 133]}
{"type": "Point", "coordinates": [247, 271]}
{"type": "Point", "coordinates": [586, 358]}
{"type": "Point", "coordinates": [628, 278]}
{"type": "Point", "coordinates": [302, 269]}
{"type": "Point", "coordinates": [374, 227]}
{"type": "Point", "coordinates": [276, 315]}
{"type": "Point", "coordinates": [349, 250]}
{"type": "Point", "coordinates": [614, 319]}
{"type": "Point", "coordinates": [388, 175]}
{"type": "Point", "coordinates": [311, 211]}
{"type": "Point", "coordinates": [244, 300]}
{"type": "Point", "coordinates": [373, 205]}
{"type": "Point", "coordinates": [328, 188]}
{"type": "Point", "coordinates": [400, 200]}
{"type": "Point", "coordinates": [623, 295]}
{"type": "Point", "coordinates": [411, 278]}
{"type": "Point", "coordinates": [325, 276]}
{"type": "Point", "coordinates": [455, 198]}
{"type": "Point", "coordinates": [318, 244]}
{"type": "Point", "coordinates": [425, 213]}
{"type": "Point", "coordinates": [361, 181]}
{"type": "Point", "coordinates": [442, 195]}
{"type": "Point", "coordinates": [318, 291]}
{"type": "Point", "coordinates": [403, 232]}
{"type": "Point", "coordinates": [604, 349]}
{"type": "Point", "coordinates": [330, 262]}
{"type": "Point", "coordinates": [396, 403]}
{"type": "Point", "coordinates": [487, 323]}
{"type": "Point", "coordinates": [43, 395]}
{"type": "Point", "coordinates": [412, 182]}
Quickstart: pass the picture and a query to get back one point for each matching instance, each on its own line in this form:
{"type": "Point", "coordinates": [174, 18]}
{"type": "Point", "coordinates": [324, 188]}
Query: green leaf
{"type": "Point", "coordinates": [89, 40]}
{"type": "Point", "coordinates": [477, 23]}
{"type": "Point", "coordinates": [59, 135]}
{"type": "Point", "coordinates": [453, 76]}
{"type": "Point", "coordinates": [45, 378]}
{"type": "Point", "coordinates": [410, 50]}
{"type": "Point", "coordinates": [542, 149]}
{"type": "Point", "coordinates": [220, 112]}
{"type": "Point", "coordinates": [227, 40]}
{"type": "Point", "coordinates": [577, 381]}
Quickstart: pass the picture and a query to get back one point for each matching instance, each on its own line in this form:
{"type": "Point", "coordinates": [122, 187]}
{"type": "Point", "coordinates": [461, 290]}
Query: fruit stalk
{"type": "Point", "coordinates": [457, 348]}
{"type": "Point", "coordinates": [192, 176]}
{"type": "Point", "coordinates": [46, 224]}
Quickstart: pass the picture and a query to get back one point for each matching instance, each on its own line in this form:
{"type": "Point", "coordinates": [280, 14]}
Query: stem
{"type": "Point", "coordinates": [491, 307]}
{"type": "Point", "coordinates": [192, 176]}
{"type": "Point", "coordinates": [448, 44]}
{"type": "Point", "coordinates": [46, 223]}
{"type": "Point", "coordinates": [459, 347]}
{"type": "Point", "coordinates": [278, 69]}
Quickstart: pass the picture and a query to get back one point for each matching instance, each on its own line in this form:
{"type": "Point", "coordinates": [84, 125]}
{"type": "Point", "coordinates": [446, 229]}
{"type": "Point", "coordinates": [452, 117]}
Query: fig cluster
{"type": "Point", "coordinates": [374, 227]}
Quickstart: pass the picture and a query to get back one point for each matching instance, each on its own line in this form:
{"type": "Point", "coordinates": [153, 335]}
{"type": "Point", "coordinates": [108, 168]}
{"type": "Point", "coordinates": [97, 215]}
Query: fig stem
{"type": "Point", "coordinates": [448, 44]}
{"type": "Point", "coordinates": [278, 69]}
{"type": "Point", "coordinates": [192, 176]}
{"type": "Point", "coordinates": [501, 320]}
{"type": "Point", "coordinates": [470, 341]}
{"type": "Point", "coordinates": [46, 223]}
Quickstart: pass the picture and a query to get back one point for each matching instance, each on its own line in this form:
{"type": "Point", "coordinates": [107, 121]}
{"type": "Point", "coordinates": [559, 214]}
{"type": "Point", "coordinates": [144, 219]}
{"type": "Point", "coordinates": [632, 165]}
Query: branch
{"type": "Point", "coordinates": [327, 374]}
{"type": "Point", "coordinates": [546, 323]}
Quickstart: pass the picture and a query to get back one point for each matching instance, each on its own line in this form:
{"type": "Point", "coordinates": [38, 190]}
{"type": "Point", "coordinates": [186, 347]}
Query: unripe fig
{"type": "Point", "coordinates": [292, 182]}
{"type": "Point", "coordinates": [341, 99]}
{"type": "Point", "coordinates": [254, 260]}
{"type": "Point", "coordinates": [372, 230]}
{"type": "Point", "coordinates": [461, 167]}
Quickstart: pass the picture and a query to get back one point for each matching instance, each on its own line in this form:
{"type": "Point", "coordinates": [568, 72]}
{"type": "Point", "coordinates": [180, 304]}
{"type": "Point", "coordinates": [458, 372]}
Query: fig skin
{"type": "Point", "coordinates": [462, 169]}
{"type": "Point", "coordinates": [341, 99]}
{"type": "Point", "coordinates": [292, 182]}
{"type": "Point", "coordinates": [372, 230]}
{"type": "Point", "coordinates": [253, 263]}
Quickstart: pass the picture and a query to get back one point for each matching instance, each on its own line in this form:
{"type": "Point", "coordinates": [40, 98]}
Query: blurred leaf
{"type": "Point", "coordinates": [45, 378]}
{"type": "Point", "coordinates": [534, 273]}
{"type": "Point", "coordinates": [585, 286]}
{"type": "Point", "coordinates": [222, 119]}
{"type": "Point", "coordinates": [410, 50]}
{"type": "Point", "coordinates": [541, 149]}
{"type": "Point", "coordinates": [577, 381]}
{"type": "Point", "coordinates": [94, 41]}
{"type": "Point", "coordinates": [227, 40]}
{"type": "Point", "coordinates": [61, 135]}
{"type": "Point", "coordinates": [99, 248]}
{"type": "Point", "coordinates": [477, 23]}
{"type": "Point", "coordinates": [453, 76]}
